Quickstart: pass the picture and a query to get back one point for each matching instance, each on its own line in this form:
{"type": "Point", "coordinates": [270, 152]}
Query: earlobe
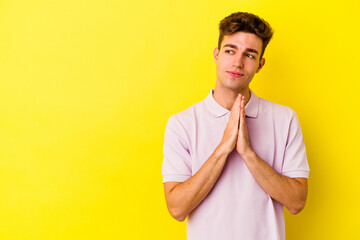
{"type": "Point", "coordinates": [216, 53]}
{"type": "Point", "coordinates": [261, 64]}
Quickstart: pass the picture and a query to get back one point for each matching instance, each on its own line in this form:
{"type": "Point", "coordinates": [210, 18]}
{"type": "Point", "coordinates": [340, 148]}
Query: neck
{"type": "Point", "coordinates": [226, 97]}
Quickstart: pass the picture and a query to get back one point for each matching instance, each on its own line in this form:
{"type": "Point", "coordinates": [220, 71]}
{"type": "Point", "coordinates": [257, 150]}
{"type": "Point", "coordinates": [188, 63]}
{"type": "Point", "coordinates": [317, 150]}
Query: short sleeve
{"type": "Point", "coordinates": [177, 160]}
{"type": "Point", "coordinates": [295, 164]}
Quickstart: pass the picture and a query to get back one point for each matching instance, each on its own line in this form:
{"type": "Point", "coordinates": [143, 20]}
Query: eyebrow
{"type": "Point", "coordinates": [247, 49]}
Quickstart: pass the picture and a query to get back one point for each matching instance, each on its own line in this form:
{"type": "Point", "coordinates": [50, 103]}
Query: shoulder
{"type": "Point", "coordinates": [184, 121]}
{"type": "Point", "coordinates": [188, 115]}
{"type": "Point", "coordinates": [279, 111]}
{"type": "Point", "coordinates": [283, 119]}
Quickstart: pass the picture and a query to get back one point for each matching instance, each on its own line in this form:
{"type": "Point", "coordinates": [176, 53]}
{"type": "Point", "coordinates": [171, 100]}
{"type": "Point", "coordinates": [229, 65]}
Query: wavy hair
{"type": "Point", "coordinates": [246, 22]}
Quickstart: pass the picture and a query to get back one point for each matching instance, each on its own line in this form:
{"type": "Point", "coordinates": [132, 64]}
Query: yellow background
{"type": "Point", "coordinates": [86, 89]}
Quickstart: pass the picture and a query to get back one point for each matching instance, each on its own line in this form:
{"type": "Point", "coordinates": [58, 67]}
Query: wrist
{"type": "Point", "coordinates": [248, 155]}
{"type": "Point", "coordinates": [222, 150]}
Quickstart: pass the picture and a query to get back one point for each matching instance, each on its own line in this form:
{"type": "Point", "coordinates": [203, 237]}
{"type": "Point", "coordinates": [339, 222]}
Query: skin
{"type": "Point", "coordinates": [239, 53]}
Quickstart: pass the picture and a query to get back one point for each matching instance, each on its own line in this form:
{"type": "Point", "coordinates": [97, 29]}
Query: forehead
{"type": "Point", "coordinates": [243, 40]}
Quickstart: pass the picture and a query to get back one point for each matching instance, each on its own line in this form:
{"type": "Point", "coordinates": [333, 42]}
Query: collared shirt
{"type": "Point", "coordinates": [237, 207]}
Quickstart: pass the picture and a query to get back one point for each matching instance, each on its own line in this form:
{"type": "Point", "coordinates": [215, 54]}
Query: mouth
{"type": "Point", "coordinates": [235, 74]}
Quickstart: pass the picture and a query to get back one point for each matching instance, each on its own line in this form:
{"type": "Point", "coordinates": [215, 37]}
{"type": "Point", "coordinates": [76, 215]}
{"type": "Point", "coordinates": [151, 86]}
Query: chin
{"type": "Point", "coordinates": [236, 87]}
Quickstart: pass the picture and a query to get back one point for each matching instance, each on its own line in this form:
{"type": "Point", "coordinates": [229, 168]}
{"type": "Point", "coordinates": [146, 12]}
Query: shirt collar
{"type": "Point", "coordinates": [251, 108]}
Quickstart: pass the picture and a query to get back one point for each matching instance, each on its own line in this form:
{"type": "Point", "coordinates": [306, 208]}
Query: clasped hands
{"type": "Point", "coordinates": [236, 134]}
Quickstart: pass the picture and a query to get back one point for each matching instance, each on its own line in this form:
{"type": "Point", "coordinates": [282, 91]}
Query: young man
{"type": "Point", "coordinates": [233, 160]}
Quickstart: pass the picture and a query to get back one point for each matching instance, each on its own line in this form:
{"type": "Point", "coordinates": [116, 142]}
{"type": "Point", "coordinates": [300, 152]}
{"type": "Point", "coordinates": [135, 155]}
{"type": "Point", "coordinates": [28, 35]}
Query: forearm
{"type": "Point", "coordinates": [290, 192]}
{"type": "Point", "coordinates": [182, 198]}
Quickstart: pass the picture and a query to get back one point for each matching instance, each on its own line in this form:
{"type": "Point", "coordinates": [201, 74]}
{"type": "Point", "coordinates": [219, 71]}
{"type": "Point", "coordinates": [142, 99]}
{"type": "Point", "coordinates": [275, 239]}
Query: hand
{"type": "Point", "coordinates": [230, 135]}
{"type": "Point", "coordinates": [243, 144]}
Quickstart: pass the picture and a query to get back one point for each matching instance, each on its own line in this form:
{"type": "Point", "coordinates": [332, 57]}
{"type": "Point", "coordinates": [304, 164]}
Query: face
{"type": "Point", "coordinates": [238, 60]}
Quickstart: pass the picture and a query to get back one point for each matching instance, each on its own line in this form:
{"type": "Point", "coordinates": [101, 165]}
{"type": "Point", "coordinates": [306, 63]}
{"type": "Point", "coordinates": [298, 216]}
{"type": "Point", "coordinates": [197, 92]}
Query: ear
{"type": "Point", "coordinates": [261, 64]}
{"type": "Point", "coordinates": [216, 53]}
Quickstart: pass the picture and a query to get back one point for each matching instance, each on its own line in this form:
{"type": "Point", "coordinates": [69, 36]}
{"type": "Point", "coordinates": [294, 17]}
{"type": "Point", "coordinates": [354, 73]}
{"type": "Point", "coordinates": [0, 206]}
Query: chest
{"type": "Point", "coordinates": [263, 137]}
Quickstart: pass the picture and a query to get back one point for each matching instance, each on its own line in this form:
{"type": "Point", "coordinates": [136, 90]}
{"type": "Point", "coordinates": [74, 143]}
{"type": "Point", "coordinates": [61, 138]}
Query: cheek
{"type": "Point", "coordinates": [223, 63]}
{"type": "Point", "coordinates": [219, 65]}
{"type": "Point", "coordinates": [252, 67]}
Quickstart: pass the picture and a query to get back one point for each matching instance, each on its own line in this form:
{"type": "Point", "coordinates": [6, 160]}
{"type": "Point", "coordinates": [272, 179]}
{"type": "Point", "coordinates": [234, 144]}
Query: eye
{"type": "Point", "coordinates": [250, 56]}
{"type": "Point", "coordinates": [229, 51]}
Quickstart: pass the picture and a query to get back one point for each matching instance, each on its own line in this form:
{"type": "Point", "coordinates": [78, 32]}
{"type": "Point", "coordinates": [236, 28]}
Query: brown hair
{"type": "Point", "coordinates": [245, 22]}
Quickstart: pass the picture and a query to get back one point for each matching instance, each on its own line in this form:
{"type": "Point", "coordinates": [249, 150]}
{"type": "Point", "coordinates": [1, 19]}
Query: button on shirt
{"type": "Point", "coordinates": [237, 207]}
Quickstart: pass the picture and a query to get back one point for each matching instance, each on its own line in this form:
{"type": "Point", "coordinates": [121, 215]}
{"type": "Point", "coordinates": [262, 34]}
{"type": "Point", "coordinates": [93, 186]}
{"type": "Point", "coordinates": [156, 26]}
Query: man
{"type": "Point", "coordinates": [233, 160]}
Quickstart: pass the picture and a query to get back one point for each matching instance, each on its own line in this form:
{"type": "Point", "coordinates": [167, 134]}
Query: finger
{"type": "Point", "coordinates": [235, 111]}
{"type": "Point", "coordinates": [240, 106]}
{"type": "Point", "coordinates": [242, 110]}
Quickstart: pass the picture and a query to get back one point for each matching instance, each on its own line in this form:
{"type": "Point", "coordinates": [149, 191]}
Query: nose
{"type": "Point", "coordinates": [238, 62]}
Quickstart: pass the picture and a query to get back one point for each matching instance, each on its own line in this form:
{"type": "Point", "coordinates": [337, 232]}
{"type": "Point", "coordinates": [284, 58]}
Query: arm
{"type": "Point", "coordinates": [184, 197]}
{"type": "Point", "coordinates": [290, 192]}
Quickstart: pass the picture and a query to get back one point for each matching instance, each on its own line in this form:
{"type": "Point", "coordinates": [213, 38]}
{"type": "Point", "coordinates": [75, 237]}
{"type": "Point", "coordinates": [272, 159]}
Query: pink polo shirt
{"type": "Point", "coordinates": [236, 207]}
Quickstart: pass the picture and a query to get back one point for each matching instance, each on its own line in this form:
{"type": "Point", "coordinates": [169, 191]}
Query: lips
{"type": "Point", "coordinates": [235, 74]}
